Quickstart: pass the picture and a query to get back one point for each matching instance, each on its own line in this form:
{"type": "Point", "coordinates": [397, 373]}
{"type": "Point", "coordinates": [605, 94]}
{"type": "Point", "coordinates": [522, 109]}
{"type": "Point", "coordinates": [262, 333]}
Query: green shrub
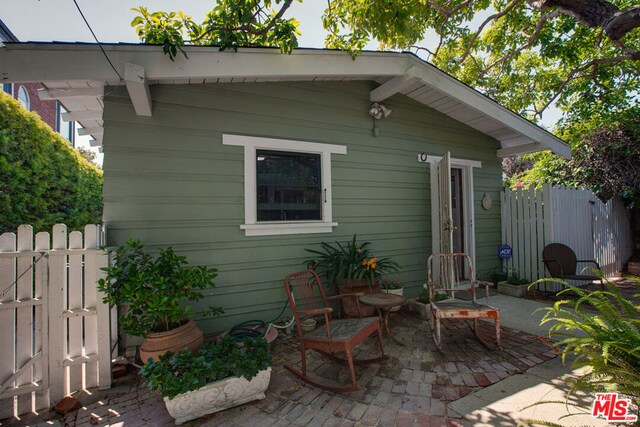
{"type": "Point", "coordinates": [181, 372]}
{"type": "Point", "coordinates": [602, 330]}
{"type": "Point", "coordinates": [43, 180]}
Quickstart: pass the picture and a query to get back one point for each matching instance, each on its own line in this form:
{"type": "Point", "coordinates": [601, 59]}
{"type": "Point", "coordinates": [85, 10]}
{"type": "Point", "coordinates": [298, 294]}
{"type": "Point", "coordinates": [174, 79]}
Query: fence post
{"type": "Point", "coordinates": [41, 373]}
{"type": "Point", "coordinates": [57, 325]}
{"type": "Point", "coordinates": [7, 339]}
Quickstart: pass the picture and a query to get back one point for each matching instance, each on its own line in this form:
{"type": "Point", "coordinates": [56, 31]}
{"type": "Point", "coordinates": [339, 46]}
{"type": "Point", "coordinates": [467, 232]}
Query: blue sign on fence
{"type": "Point", "coordinates": [505, 252]}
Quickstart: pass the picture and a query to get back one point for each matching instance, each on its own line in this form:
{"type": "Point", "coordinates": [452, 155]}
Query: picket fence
{"type": "Point", "coordinates": [56, 336]}
{"type": "Point", "coordinates": [533, 218]}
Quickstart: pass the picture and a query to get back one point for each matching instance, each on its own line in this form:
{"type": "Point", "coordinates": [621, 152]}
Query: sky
{"type": "Point", "coordinates": [59, 20]}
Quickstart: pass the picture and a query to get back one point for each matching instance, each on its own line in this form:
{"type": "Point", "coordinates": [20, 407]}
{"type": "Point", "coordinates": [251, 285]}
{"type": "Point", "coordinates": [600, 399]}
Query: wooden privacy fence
{"type": "Point", "coordinates": [55, 336]}
{"type": "Point", "coordinates": [533, 218]}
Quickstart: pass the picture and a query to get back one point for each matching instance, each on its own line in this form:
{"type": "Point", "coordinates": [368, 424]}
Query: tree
{"type": "Point", "coordinates": [606, 152]}
{"type": "Point", "coordinates": [43, 181]}
{"type": "Point", "coordinates": [230, 24]}
{"type": "Point", "coordinates": [88, 155]}
{"type": "Point", "coordinates": [581, 55]}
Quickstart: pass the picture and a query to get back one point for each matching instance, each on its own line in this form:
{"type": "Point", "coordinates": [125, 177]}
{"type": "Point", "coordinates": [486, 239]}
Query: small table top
{"type": "Point", "coordinates": [382, 300]}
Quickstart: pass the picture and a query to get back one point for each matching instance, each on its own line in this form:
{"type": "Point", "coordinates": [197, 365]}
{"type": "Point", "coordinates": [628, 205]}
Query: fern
{"type": "Point", "coordinates": [602, 330]}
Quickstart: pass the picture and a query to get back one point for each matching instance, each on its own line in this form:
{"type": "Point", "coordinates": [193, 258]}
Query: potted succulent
{"type": "Point", "coordinates": [514, 286]}
{"type": "Point", "coordinates": [154, 293]}
{"type": "Point", "coordinates": [391, 286]}
{"type": "Point", "coordinates": [219, 376]}
{"type": "Point", "coordinates": [353, 268]}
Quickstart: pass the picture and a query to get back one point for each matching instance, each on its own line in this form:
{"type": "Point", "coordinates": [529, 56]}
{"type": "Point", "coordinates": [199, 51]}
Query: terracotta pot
{"type": "Point", "coordinates": [349, 286]}
{"type": "Point", "coordinates": [177, 339]}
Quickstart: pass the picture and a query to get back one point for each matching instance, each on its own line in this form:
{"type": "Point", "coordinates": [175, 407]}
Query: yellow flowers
{"type": "Point", "coordinates": [371, 263]}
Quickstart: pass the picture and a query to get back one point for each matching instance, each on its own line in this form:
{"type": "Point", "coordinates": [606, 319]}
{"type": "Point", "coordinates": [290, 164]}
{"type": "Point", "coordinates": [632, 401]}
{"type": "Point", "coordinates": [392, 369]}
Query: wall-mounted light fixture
{"type": "Point", "coordinates": [378, 111]}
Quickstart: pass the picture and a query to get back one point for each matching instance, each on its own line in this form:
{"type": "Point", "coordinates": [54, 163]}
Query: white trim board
{"type": "Point", "coordinates": [251, 225]}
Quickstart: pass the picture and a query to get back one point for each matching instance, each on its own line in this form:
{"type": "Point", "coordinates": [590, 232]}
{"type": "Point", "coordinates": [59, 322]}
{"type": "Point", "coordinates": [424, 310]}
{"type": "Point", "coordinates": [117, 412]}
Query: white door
{"type": "Point", "coordinates": [444, 208]}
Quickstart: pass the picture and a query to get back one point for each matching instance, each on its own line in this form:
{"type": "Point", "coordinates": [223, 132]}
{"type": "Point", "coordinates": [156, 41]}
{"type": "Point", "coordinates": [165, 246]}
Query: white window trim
{"type": "Point", "coordinates": [251, 226]}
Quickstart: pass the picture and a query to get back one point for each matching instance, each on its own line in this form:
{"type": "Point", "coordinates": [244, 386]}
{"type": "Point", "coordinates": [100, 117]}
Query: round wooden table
{"type": "Point", "coordinates": [383, 302]}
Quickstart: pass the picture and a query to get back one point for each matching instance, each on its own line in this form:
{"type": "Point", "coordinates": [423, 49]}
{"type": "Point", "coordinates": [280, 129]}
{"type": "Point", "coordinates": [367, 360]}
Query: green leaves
{"type": "Point", "coordinates": [602, 329]}
{"type": "Point", "coordinates": [230, 25]}
{"type": "Point", "coordinates": [177, 373]}
{"type": "Point", "coordinates": [154, 290]}
{"type": "Point", "coordinates": [43, 180]}
{"type": "Point", "coordinates": [354, 260]}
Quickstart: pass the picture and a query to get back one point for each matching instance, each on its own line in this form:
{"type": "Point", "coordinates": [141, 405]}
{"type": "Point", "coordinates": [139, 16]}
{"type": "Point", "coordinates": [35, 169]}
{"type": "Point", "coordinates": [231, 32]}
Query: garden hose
{"type": "Point", "coordinates": [258, 328]}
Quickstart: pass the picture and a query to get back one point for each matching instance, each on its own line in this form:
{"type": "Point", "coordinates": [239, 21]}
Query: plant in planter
{"type": "Point", "coordinates": [219, 376]}
{"type": "Point", "coordinates": [154, 292]}
{"type": "Point", "coordinates": [420, 305]}
{"type": "Point", "coordinates": [353, 268]}
{"type": "Point", "coordinates": [514, 286]}
{"type": "Point", "coordinates": [390, 286]}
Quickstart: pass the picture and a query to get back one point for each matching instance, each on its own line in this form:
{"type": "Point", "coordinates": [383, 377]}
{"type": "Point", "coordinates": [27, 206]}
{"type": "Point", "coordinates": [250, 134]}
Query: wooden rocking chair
{"type": "Point", "coordinates": [307, 300]}
{"type": "Point", "coordinates": [450, 281]}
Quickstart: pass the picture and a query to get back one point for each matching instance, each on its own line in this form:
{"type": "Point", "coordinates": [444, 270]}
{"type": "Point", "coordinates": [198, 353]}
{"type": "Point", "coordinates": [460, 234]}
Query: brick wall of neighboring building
{"type": "Point", "coordinates": [46, 109]}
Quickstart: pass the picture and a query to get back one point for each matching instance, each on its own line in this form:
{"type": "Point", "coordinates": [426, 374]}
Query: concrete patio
{"type": "Point", "coordinates": [464, 384]}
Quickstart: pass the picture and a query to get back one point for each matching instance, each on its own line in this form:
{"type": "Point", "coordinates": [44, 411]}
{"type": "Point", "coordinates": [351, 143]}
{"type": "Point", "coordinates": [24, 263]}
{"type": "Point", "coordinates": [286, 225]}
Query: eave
{"type": "Point", "coordinates": [79, 73]}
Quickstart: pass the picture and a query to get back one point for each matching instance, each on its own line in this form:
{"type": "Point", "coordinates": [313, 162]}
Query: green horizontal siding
{"type": "Point", "coordinates": [170, 181]}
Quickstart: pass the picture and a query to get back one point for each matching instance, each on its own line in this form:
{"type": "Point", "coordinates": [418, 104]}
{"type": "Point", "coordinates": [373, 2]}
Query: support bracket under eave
{"type": "Point", "coordinates": [392, 87]}
{"type": "Point", "coordinates": [138, 88]}
{"type": "Point", "coordinates": [517, 150]}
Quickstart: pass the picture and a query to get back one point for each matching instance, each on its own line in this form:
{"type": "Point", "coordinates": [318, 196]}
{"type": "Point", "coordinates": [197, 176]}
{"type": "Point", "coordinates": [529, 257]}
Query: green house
{"type": "Point", "coordinates": [241, 160]}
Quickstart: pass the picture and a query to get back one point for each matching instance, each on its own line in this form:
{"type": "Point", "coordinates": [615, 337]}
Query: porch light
{"type": "Point", "coordinates": [378, 111]}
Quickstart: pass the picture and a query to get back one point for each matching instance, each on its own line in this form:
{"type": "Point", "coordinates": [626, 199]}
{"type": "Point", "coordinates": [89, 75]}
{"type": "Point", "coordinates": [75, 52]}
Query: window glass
{"type": "Point", "coordinates": [65, 128]}
{"type": "Point", "coordinates": [289, 186]}
{"type": "Point", "coordinates": [23, 97]}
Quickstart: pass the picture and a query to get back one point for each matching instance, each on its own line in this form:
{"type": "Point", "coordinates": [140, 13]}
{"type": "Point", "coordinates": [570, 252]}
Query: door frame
{"type": "Point", "coordinates": [467, 200]}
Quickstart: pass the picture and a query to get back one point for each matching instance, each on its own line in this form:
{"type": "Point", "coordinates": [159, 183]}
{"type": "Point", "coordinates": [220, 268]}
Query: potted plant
{"type": "Point", "coordinates": [154, 292]}
{"type": "Point", "coordinates": [514, 286]}
{"type": "Point", "coordinates": [353, 268]}
{"type": "Point", "coordinates": [420, 305]}
{"type": "Point", "coordinates": [391, 286]}
{"type": "Point", "coordinates": [219, 376]}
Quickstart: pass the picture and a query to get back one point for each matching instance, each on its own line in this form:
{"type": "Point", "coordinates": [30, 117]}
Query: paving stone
{"type": "Point", "coordinates": [413, 387]}
{"type": "Point", "coordinates": [437, 407]}
{"type": "Point", "coordinates": [371, 416]}
{"type": "Point", "coordinates": [357, 412]}
{"type": "Point", "coordinates": [399, 387]}
{"type": "Point", "coordinates": [425, 390]}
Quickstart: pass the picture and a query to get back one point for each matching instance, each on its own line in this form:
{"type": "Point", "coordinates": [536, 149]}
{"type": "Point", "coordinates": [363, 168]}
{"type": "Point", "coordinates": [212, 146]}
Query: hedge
{"type": "Point", "coordinates": [43, 180]}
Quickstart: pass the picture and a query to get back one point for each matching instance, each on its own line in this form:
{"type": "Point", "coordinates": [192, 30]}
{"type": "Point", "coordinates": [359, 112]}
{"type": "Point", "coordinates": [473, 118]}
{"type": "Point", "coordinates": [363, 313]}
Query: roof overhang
{"type": "Point", "coordinates": [77, 75]}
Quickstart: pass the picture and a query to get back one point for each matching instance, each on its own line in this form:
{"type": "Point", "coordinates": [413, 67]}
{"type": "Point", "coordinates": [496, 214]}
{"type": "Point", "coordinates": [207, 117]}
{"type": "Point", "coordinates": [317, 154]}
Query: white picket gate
{"type": "Point", "coordinates": [55, 337]}
{"type": "Point", "coordinates": [532, 218]}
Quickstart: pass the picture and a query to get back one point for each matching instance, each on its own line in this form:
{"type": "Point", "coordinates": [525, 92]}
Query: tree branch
{"type": "Point", "coordinates": [596, 13]}
{"type": "Point", "coordinates": [532, 38]}
{"type": "Point", "coordinates": [495, 16]}
{"type": "Point", "coordinates": [573, 75]}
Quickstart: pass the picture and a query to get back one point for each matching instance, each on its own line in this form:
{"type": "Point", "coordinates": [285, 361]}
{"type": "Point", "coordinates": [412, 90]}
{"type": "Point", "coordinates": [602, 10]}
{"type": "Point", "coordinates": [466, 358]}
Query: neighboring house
{"type": "Point", "coordinates": [52, 112]}
{"type": "Point", "coordinates": [241, 160]}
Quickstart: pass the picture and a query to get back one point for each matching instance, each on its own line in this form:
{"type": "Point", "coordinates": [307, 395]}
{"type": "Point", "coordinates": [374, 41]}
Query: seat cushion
{"type": "Point", "coordinates": [343, 329]}
{"type": "Point", "coordinates": [579, 277]}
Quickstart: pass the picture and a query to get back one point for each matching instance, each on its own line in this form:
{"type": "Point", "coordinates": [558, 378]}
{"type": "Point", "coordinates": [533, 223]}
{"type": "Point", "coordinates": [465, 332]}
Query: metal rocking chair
{"type": "Point", "coordinates": [450, 267]}
{"type": "Point", "coordinates": [562, 263]}
{"type": "Point", "coordinates": [307, 300]}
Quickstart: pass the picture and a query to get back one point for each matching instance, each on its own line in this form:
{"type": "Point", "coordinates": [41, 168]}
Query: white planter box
{"type": "Point", "coordinates": [517, 291]}
{"type": "Point", "coordinates": [217, 396]}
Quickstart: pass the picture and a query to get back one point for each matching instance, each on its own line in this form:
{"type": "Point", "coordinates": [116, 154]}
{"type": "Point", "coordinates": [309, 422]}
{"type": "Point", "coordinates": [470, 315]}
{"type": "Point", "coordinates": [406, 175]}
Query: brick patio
{"type": "Point", "coordinates": [413, 387]}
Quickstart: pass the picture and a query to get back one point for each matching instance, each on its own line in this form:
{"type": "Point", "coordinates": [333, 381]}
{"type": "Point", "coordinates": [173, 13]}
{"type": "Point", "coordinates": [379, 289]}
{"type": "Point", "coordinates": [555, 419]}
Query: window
{"type": "Point", "coordinates": [287, 188]}
{"type": "Point", "coordinates": [7, 88]}
{"type": "Point", "coordinates": [65, 128]}
{"type": "Point", "coordinates": [23, 97]}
